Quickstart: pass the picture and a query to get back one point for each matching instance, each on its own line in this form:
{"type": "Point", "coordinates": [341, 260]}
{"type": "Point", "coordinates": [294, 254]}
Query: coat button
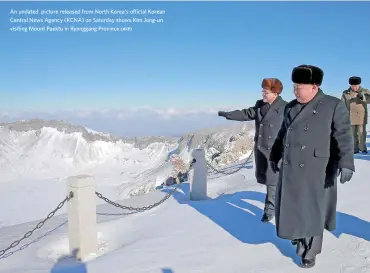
{"type": "Point", "coordinates": [269, 136]}
{"type": "Point", "coordinates": [268, 148]}
{"type": "Point", "coordinates": [270, 125]}
{"type": "Point", "coordinates": [285, 162]}
{"type": "Point", "coordinates": [290, 128]}
{"type": "Point", "coordinates": [259, 146]}
{"type": "Point", "coordinates": [305, 128]}
{"type": "Point", "coordinates": [261, 125]}
{"type": "Point", "coordinates": [302, 147]}
{"type": "Point", "coordinates": [287, 145]}
{"type": "Point", "coordinates": [301, 165]}
{"type": "Point", "coordinates": [259, 135]}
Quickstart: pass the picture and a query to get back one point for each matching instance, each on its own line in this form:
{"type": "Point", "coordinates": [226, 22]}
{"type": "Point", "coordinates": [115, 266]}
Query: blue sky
{"type": "Point", "coordinates": [205, 54]}
{"type": "Point", "coordinates": [216, 51]}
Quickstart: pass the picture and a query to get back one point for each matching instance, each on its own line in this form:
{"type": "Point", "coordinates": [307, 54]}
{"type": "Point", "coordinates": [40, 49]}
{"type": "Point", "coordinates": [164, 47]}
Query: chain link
{"type": "Point", "coordinates": [117, 214]}
{"type": "Point", "coordinates": [224, 172]}
{"type": "Point", "coordinates": [230, 172]}
{"type": "Point", "coordinates": [8, 254]}
{"type": "Point", "coordinates": [38, 226]}
{"type": "Point", "coordinates": [135, 209]}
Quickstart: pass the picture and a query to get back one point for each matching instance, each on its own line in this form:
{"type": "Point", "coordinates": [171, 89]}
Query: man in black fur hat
{"type": "Point", "coordinates": [315, 145]}
{"type": "Point", "coordinates": [356, 99]}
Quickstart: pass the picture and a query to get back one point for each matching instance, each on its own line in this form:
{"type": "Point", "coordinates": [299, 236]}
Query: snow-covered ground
{"type": "Point", "coordinates": [35, 163]}
{"type": "Point", "coordinates": [36, 156]}
{"type": "Point", "coordinates": [222, 234]}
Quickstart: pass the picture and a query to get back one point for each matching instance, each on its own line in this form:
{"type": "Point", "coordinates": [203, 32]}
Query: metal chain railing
{"type": "Point", "coordinates": [38, 226]}
{"type": "Point", "coordinates": [10, 253]}
{"type": "Point", "coordinates": [227, 172]}
{"type": "Point", "coordinates": [134, 209]}
{"type": "Point", "coordinates": [117, 214]}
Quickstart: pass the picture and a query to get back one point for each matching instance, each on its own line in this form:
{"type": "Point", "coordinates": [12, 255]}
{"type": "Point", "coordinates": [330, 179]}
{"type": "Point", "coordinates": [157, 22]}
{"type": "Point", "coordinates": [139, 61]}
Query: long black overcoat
{"type": "Point", "coordinates": [311, 147]}
{"type": "Point", "coordinates": [267, 128]}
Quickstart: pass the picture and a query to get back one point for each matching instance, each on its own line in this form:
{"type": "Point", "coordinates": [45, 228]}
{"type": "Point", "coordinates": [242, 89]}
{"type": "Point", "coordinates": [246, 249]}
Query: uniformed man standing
{"type": "Point", "coordinates": [268, 116]}
{"type": "Point", "coordinates": [315, 145]}
{"type": "Point", "coordinates": [356, 99]}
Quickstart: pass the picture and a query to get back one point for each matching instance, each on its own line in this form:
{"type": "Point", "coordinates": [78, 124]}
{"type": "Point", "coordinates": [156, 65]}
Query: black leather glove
{"type": "Point", "coordinates": [274, 166]}
{"type": "Point", "coordinates": [360, 96]}
{"type": "Point", "coordinates": [222, 114]}
{"type": "Point", "coordinates": [345, 175]}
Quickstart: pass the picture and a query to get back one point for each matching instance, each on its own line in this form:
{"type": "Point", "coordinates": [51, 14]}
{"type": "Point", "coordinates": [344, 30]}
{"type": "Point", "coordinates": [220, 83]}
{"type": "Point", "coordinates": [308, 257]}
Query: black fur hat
{"type": "Point", "coordinates": [354, 80]}
{"type": "Point", "coordinates": [307, 74]}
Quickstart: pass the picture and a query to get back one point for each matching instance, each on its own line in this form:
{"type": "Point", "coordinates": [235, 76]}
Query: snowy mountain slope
{"type": "Point", "coordinates": [234, 143]}
{"type": "Point", "coordinates": [50, 149]}
{"type": "Point", "coordinates": [39, 149]}
{"type": "Point", "coordinates": [220, 235]}
{"type": "Point", "coordinates": [38, 154]}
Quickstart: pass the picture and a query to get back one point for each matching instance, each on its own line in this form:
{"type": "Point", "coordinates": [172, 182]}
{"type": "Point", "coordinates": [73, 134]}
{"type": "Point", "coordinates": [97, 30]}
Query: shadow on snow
{"type": "Point", "coordinates": [241, 219]}
{"type": "Point", "coordinates": [69, 264]}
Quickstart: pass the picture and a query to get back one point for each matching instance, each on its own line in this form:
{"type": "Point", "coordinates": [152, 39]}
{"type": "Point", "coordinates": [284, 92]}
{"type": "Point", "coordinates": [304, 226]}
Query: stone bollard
{"type": "Point", "coordinates": [82, 229]}
{"type": "Point", "coordinates": [198, 177]}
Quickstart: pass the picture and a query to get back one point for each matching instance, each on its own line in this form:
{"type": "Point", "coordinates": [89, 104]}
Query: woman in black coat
{"type": "Point", "coordinates": [267, 114]}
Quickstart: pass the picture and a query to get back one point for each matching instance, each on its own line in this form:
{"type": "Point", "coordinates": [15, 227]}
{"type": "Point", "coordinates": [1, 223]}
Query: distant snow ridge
{"type": "Point", "coordinates": [36, 125]}
{"type": "Point", "coordinates": [54, 148]}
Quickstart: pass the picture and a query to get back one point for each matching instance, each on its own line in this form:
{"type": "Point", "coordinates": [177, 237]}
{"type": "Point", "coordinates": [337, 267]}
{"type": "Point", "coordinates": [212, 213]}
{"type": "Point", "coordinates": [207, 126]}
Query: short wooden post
{"type": "Point", "coordinates": [82, 229]}
{"type": "Point", "coordinates": [198, 177]}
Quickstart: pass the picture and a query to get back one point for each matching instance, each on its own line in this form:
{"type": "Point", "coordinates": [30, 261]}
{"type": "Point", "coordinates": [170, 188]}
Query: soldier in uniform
{"type": "Point", "coordinates": [356, 99]}
{"type": "Point", "coordinates": [267, 114]}
{"type": "Point", "coordinates": [315, 145]}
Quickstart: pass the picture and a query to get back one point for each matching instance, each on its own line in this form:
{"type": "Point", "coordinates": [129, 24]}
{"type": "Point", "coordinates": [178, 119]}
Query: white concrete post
{"type": "Point", "coordinates": [198, 177]}
{"type": "Point", "coordinates": [82, 230]}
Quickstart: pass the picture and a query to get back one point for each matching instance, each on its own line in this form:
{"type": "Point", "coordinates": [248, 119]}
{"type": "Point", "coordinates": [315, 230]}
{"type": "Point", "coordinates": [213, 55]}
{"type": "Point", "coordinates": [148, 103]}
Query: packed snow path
{"type": "Point", "coordinates": [220, 235]}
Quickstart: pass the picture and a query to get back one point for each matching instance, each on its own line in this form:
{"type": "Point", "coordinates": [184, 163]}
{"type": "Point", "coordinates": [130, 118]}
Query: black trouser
{"type": "Point", "coordinates": [270, 200]}
{"type": "Point", "coordinates": [359, 137]}
{"type": "Point", "coordinates": [309, 247]}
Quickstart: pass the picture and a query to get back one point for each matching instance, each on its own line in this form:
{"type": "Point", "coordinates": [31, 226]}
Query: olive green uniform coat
{"type": "Point", "coordinates": [358, 113]}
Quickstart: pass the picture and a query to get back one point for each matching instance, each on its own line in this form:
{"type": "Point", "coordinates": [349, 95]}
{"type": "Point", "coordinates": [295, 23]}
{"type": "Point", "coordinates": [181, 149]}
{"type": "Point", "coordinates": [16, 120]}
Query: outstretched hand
{"type": "Point", "coordinates": [221, 114]}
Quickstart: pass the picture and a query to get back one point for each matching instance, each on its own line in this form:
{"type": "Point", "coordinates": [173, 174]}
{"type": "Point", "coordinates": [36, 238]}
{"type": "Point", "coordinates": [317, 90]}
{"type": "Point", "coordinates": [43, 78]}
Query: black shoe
{"type": "Point", "coordinates": [364, 152]}
{"type": "Point", "coordinates": [307, 263]}
{"type": "Point", "coordinates": [356, 152]}
{"type": "Point", "coordinates": [267, 218]}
